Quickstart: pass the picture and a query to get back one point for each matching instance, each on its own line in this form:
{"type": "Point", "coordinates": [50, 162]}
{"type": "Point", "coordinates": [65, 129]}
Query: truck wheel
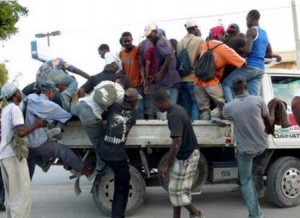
{"type": "Point", "coordinates": [199, 178]}
{"type": "Point", "coordinates": [283, 182]}
{"type": "Point", "coordinates": [104, 190]}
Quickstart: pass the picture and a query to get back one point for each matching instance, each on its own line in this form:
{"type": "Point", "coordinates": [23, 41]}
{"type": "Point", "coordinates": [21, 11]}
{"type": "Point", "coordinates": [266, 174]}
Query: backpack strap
{"type": "Point", "coordinates": [214, 46]}
{"type": "Point", "coordinates": [187, 43]}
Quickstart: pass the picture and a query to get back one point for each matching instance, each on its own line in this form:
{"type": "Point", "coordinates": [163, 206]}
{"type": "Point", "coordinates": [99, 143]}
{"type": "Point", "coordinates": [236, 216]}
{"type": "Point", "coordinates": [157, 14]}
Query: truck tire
{"type": "Point", "coordinates": [199, 179]}
{"type": "Point", "coordinates": [283, 182]}
{"type": "Point", "coordinates": [104, 190]}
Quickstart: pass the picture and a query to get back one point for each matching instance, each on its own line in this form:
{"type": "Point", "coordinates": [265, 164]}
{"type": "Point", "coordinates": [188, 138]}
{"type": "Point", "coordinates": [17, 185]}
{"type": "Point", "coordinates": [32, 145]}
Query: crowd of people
{"type": "Point", "coordinates": [143, 82]}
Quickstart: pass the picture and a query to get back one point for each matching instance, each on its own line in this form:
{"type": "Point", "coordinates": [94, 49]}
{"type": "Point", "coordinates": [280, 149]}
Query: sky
{"type": "Point", "coordinates": [84, 25]}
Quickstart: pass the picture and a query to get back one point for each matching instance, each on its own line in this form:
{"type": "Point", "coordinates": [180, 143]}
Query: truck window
{"type": "Point", "coordinates": [285, 87]}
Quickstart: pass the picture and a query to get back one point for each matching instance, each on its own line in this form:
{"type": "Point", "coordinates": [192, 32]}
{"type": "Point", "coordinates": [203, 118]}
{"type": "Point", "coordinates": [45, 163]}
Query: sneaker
{"type": "Point", "coordinates": [53, 132]}
{"type": "Point", "coordinates": [65, 101]}
{"type": "Point", "coordinates": [218, 121]}
{"type": "Point", "coordinates": [199, 215]}
{"type": "Point", "coordinates": [48, 164]}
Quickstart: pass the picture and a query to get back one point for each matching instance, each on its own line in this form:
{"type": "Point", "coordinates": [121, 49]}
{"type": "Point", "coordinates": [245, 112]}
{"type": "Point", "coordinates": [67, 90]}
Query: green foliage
{"type": "Point", "coordinates": [10, 13]}
{"type": "Point", "coordinates": [3, 74]}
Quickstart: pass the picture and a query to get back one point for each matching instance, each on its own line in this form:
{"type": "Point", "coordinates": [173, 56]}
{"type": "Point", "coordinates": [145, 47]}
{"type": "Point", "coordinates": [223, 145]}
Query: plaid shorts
{"type": "Point", "coordinates": [181, 179]}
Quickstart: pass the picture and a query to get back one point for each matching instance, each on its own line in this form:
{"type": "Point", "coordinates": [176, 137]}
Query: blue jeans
{"type": "Point", "coordinates": [245, 164]}
{"type": "Point", "coordinates": [173, 94]}
{"type": "Point", "coordinates": [252, 75]}
{"type": "Point", "coordinates": [92, 125]}
{"type": "Point", "coordinates": [55, 150]}
{"type": "Point", "coordinates": [189, 100]}
{"type": "Point", "coordinates": [60, 78]}
{"type": "Point", "coordinates": [122, 185]}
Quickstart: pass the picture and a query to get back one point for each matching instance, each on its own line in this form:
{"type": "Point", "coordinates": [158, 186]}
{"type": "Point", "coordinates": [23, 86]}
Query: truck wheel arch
{"type": "Point", "coordinates": [200, 176]}
{"type": "Point", "coordinates": [104, 189]}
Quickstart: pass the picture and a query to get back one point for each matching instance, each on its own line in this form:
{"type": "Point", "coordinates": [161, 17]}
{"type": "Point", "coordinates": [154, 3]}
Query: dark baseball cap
{"type": "Point", "coordinates": [239, 83]}
{"type": "Point", "coordinates": [48, 85]}
{"type": "Point", "coordinates": [233, 27]}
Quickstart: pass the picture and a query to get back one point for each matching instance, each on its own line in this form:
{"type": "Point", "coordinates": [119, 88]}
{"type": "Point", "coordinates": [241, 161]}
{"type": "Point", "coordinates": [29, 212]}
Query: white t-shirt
{"type": "Point", "coordinates": [11, 116]}
{"type": "Point", "coordinates": [110, 58]}
{"type": "Point", "coordinates": [95, 106]}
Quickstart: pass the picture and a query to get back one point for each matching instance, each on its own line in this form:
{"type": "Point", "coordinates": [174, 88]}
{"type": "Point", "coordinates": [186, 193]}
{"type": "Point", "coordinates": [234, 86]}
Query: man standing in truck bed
{"type": "Point", "coordinates": [183, 155]}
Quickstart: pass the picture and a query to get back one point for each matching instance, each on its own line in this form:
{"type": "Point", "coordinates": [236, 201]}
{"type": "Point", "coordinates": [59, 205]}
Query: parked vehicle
{"type": "Point", "coordinates": [149, 141]}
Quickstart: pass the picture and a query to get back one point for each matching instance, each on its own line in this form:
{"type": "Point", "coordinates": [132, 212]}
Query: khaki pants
{"type": "Point", "coordinates": [16, 182]}
{"type": "Point", "coordinates": [204, 95]}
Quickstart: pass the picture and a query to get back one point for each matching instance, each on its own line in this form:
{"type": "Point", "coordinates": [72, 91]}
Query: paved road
{"type": "Point", "coordinates": [53, 197]}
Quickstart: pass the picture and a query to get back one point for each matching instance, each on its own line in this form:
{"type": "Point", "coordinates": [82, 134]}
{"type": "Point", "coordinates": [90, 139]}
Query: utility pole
{"type": "Point", "coordinates": [296, 33]}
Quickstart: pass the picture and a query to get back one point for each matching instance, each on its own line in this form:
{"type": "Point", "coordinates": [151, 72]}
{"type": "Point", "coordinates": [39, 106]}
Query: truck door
{"type": "Point", "coordinates": [285, 87]}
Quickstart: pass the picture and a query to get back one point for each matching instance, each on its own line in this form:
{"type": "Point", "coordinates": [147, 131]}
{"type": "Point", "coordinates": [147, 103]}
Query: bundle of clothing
{"type": "Point", "coordinates": [278, 114]}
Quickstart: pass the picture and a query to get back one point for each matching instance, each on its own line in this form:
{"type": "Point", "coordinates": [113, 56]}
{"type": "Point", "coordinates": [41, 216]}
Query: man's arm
{"type": "Point", "coordinates": [226, 111]}
{"type": "Point", "coordinates": [250, 35]}
{"type": "Point", "coordinates": [53, 112]}
{"type": "Point", "coordinates": [175, 146]}
{"type": "Point", "coordinates": [269, 53]}
{"type": "Point", "coordinates": [164, 68]}
{"type": "Point", "coordinates": [23, 130]}
{"type": "Point", "coordinates": [86, 88]}
{"type": "Point", "coordinates": [81, 92]}
{"type": "Point", "coordinates": [80, 72]}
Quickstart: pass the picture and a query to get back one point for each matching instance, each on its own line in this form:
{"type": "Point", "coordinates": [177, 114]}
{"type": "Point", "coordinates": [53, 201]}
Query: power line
{"type": "Point", "coordinates": [170, 20]}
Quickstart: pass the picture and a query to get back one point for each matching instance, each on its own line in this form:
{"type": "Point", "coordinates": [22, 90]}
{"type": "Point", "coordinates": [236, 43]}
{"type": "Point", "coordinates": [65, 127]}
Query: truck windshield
{"type": "Point", "coordinates": [285, 87]}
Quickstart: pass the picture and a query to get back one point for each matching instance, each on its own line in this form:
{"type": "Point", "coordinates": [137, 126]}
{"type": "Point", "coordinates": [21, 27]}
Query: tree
{"type": "Point", "coordinates": [3, 74]}
{"type": "Point", "coordinates": [10, 13]}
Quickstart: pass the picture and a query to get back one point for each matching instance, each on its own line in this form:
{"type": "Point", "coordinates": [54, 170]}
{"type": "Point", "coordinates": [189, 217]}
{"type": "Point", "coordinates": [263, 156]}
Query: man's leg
{"type": "Point", "coordinates": [254, 83]}
{"type": "Point", "coordinates": [260, 163]}
{"type": "Point", "coordinates": [92, 125]}
{"type": "Point", "coordinates": [189, 100]}
{"type": "Point", "coordinates": [203, 101]}
{"type": "Point", "coordinates": [17, 185]}
{"type": "Point", "coordinates": [173, 93]}
{"type": "Point", "coordinates": [57, 150]}
{"type": "Point", "coordinates": [122, 182]}
{"type": "Point", "coordinates": [2, 193]}
{"type": "Point", "coordinates": [186, 102]}
{"type": "Point", "coordinates": [31, 162]}
{"type": "Point", "coordinates": [140, 103]}
{"type": "Point", "coordinates": [176, 211]}
{"type": "Point", "coordinates": [247, 186]}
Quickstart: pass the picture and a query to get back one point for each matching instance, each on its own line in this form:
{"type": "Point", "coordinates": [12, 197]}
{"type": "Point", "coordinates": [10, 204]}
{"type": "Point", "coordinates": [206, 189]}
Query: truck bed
{"type": "Point", "coordinates": [154, 133]}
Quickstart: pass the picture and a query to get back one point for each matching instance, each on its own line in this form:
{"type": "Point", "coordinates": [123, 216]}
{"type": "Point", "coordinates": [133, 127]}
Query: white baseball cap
{"type": "Point", "coordinates": [190, 23]}
{"type": "Point", "coordinates": [149, 28]}
{"type": "Point", "coordinates": [8, 90]}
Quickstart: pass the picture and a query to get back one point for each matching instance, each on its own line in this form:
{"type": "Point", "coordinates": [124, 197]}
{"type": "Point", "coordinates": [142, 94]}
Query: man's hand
{"type": "Point", "coordinates": [278, 57]}
{"type": "Point", "coordinates": [40, 123]}
{"type": "Point", "coordinates": [158, 76]}
{"type": "Point", "coordinates": [164, 170]}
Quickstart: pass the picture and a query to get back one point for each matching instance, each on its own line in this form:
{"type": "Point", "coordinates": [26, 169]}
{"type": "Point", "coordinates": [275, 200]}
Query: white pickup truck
{"type": "Point", "coordinates": [149, 141]}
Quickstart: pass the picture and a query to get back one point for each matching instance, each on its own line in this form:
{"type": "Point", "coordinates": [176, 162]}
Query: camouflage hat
{"type": "Point", "coordinates": [8, 90]}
